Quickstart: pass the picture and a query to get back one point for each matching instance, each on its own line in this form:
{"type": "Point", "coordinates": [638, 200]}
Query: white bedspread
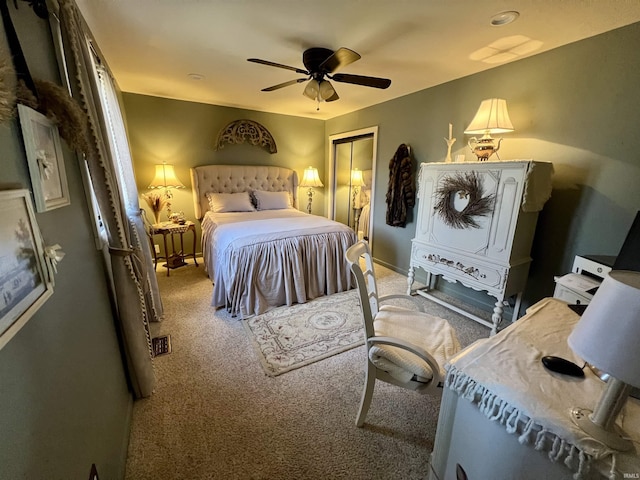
{"type": "Point", "coordinates": [258, 260]}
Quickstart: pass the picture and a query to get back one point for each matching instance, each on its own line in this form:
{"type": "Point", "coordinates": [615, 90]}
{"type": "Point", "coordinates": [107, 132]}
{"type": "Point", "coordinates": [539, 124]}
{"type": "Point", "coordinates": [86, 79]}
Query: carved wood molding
{"type": "Point", "coordinates": [241, 131]}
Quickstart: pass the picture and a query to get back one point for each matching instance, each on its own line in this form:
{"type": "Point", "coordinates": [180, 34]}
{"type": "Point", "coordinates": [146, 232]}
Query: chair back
{"type": "Point", "coordinates": [366, 282]}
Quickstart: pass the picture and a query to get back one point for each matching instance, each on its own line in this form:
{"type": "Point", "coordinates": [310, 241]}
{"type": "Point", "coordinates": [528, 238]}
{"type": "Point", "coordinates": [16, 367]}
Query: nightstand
{"type": "Point", "coordinates": [175, 259]}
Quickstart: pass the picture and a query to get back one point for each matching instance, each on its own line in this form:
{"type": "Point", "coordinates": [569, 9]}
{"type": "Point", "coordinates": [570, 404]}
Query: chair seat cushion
{"type": "Point", "coordinates": [433, 334]}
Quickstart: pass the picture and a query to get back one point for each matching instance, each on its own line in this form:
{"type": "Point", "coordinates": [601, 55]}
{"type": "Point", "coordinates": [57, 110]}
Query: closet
{"type": "Point", "coordinates": [351, 182]}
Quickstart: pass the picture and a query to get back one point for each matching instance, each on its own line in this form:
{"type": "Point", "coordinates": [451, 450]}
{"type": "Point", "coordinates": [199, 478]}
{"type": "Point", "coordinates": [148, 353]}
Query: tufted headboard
{"type": "Point", "coordinates": [240, 178]}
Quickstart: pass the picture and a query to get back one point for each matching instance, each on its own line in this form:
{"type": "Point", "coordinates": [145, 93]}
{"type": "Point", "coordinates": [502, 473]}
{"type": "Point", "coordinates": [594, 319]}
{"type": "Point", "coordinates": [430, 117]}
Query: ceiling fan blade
{"type": "Point", "coordinates": [362, 80]}
{"type": "Point", "coordinates": [279, 65]}
{"type": "Point", "coordinates": [339, 58]}
{"type": "Point", "coordinates": [285, 84]}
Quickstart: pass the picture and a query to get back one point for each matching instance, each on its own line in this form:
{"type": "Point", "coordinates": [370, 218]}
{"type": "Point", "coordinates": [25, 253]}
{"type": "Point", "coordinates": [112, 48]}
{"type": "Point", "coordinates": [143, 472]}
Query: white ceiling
{"type": "Point", "coordinates": [153, 45]}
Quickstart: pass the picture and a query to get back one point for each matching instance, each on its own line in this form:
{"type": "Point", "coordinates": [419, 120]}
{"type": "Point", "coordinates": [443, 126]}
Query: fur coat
{"type": "Point", "coordinates": [401, 195]}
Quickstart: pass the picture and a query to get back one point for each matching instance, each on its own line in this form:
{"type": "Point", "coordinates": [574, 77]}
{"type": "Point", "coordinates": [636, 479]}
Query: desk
{"type": "Point", "coordinates": [503, 416]}
{"type": "Point", "coordinates": [174, 259]}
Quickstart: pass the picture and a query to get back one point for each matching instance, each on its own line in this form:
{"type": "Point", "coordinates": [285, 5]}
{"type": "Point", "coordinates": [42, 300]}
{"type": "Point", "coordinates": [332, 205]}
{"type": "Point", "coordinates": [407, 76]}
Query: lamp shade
{"type": "Point", "coordinates": [491, 117]}
{"type": "Point", "coordinates": [312, 89]}
{"type": "Point", "coordinates": [608, 333]}
{"type": "Point", "coordinates": [326, 90]}
{"type": "Point", "coordinates": [356, 178]}
{"type": "Point", "coordinates": [319, 91]}
{"type": "Point", "coordinates": [165, 177]}
{"type": "Point", "coordinates": [310, 178]}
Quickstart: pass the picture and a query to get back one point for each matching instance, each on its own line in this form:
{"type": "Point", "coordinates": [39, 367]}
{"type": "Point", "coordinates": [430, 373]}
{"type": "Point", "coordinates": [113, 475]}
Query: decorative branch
{"type": "Point", "coordinates": [157, 202]}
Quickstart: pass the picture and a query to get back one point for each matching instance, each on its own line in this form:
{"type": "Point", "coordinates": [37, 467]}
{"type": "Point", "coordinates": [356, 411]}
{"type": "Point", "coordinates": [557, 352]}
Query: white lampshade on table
{"type": "Point", "coordinates": [608, 337]}
{"type": "Point", "coordinates": [357, 180]}
{"type": "Point", "coordinates": [492, 117]}
{"type": "Point", "coordinates": [166, 178]}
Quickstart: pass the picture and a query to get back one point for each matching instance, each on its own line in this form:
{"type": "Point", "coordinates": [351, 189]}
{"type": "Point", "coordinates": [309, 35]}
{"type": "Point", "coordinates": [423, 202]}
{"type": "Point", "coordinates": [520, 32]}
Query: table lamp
{"type": "Point", "coordinates": [166, 178]}
{"type": "Point", "coordinates": [491, 117]}
{"type": "Point", "coordinates": [357, 181]}
{"type": "Point", "coordinates": [310, 180]}
{"type": "Point", "coordinates": [607, 338]}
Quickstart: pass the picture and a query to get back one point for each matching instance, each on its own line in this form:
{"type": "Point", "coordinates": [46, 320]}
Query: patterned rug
{"type": "Point", "coordinates": [287, 338]}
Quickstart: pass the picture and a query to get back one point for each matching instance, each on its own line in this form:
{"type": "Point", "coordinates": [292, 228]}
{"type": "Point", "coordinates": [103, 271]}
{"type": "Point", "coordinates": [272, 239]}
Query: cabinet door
{"type": "Point", "coordinates": [427, 184]}
{"type": "Point", "coordinates": [506, 212]}
{"type": "Point", "coordinates": [467, 239]}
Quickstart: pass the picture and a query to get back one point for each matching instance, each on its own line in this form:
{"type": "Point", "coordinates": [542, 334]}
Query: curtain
{"type": "Point", "coordinates": [123, 167]}
{"type": "Point", "coordinates": [108, 161]}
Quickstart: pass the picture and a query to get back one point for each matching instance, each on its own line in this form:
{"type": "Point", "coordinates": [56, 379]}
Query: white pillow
{"type": "Point", "coordinates": [271, 200]}
{"type": "Point", "coordinates": [230, 202]}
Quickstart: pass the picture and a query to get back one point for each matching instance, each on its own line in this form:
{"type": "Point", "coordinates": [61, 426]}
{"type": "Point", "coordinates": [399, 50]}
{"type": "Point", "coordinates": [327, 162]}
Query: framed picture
{"type": "Point", "coordinates": [25, 283]}
{"type": "Point", "coordinates": [46, 163]}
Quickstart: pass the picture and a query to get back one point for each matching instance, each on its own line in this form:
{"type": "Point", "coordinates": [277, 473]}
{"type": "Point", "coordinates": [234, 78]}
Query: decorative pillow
{"type": "Point", "coordinates": [230, 202]}
{"type": "Point", "coordinates": [271, 200]}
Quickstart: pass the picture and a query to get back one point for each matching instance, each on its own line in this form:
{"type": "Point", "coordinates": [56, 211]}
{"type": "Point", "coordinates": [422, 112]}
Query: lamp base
{"type": "Point", "coordinates": [310, 195]}
{"type": "Point", "coordinates": [611, 438]}
{"type": "Point", "coordinates": [485, 147]}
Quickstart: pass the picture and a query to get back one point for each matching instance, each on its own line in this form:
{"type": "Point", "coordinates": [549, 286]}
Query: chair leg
{"type": "Point", "coordinates": [367, 393]}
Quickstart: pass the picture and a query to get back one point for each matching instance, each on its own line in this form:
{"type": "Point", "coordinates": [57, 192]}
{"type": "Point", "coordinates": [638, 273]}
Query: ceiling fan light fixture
{"type": "Point", "coordinates": [326, 90]}
{"type": "Point", "coordinates": [311, 90]}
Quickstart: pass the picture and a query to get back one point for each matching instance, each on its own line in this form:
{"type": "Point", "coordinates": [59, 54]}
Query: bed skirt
{"type": "Point", "coordinates": [259, 277]}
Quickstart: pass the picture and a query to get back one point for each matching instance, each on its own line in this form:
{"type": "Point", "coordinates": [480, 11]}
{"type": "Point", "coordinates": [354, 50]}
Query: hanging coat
{"type": "Point", "coordinates": [401, 195]}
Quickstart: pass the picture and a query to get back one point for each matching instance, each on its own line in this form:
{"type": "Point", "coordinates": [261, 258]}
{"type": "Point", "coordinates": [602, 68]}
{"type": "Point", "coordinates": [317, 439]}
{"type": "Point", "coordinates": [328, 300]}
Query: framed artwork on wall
{"type": "Point", "coordinates": [44, 156]}
{"type": "Point", "coordinates": [25, 281]}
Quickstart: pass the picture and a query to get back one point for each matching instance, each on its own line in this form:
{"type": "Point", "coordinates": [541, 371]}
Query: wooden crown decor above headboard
{"type": "Point", "coordinates": [243, 130]}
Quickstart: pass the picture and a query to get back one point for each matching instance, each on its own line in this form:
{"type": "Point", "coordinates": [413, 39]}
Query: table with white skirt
{"type": "Point", "coordinates": [504, 416]}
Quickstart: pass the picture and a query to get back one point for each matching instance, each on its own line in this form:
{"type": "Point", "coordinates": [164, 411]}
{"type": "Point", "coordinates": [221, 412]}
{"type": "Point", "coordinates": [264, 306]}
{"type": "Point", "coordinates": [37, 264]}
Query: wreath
{"type": "Point", "coordinates": [465, 185]}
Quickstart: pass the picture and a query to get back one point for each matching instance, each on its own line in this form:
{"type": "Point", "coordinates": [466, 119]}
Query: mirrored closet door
{"type": "Point", "coordinates": [352, 172]}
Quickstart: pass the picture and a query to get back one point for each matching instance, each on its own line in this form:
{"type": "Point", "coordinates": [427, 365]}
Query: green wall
{"type": "Point", "coordinates": [577, 106]}
{"type": "Point", "coordinates": [184, 134]}
{"type": "Point", "coordinates": [64, 400]}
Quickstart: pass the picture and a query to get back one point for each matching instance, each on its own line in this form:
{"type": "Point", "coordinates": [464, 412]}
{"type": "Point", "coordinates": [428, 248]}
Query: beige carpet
{"type": "Point", "coordinates": [287, 338]}
{"type": "Point", "coordinates": [216, 415]}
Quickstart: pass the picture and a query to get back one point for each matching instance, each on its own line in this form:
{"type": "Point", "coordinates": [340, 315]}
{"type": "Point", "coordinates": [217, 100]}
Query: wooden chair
{"type": "Point", "coordinates": [405, 347]}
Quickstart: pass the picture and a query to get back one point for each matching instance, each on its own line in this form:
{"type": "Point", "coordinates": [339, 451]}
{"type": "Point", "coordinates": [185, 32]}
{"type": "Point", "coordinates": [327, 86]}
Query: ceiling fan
{"type": "Point", "coordinates": [320, 64]}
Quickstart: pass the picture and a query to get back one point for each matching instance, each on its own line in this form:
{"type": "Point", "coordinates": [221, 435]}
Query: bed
{"type": "Point", "coordinates": [259, 250]}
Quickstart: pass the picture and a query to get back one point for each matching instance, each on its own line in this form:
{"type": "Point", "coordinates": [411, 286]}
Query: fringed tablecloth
{"type": "Point", "coordinates": [503, 375]}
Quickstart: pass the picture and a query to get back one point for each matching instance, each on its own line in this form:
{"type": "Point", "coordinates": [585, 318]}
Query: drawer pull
{"type": "Point", "coordinates": [467, 270]}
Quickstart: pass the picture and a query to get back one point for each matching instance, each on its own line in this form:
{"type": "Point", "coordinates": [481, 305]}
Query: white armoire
{"type": "Point", "coordinates": [475, 226]}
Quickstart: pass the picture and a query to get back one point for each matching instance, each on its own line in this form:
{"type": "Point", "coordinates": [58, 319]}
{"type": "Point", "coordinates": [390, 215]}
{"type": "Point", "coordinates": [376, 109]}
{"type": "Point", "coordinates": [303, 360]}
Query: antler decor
{"type": "Point", "coordinates": [243, 130]}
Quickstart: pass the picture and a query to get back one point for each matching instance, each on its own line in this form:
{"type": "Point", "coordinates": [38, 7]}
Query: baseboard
{"type": "Point", "coordinates": [390, 267]}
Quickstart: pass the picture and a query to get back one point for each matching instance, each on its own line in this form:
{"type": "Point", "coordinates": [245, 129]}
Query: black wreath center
{"type": "Point", "coordinates": [467, 184]}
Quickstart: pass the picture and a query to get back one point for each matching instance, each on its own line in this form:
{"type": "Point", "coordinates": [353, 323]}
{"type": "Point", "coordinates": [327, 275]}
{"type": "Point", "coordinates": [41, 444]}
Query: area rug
{"type": "Point", "coordinates": [287, 338]}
